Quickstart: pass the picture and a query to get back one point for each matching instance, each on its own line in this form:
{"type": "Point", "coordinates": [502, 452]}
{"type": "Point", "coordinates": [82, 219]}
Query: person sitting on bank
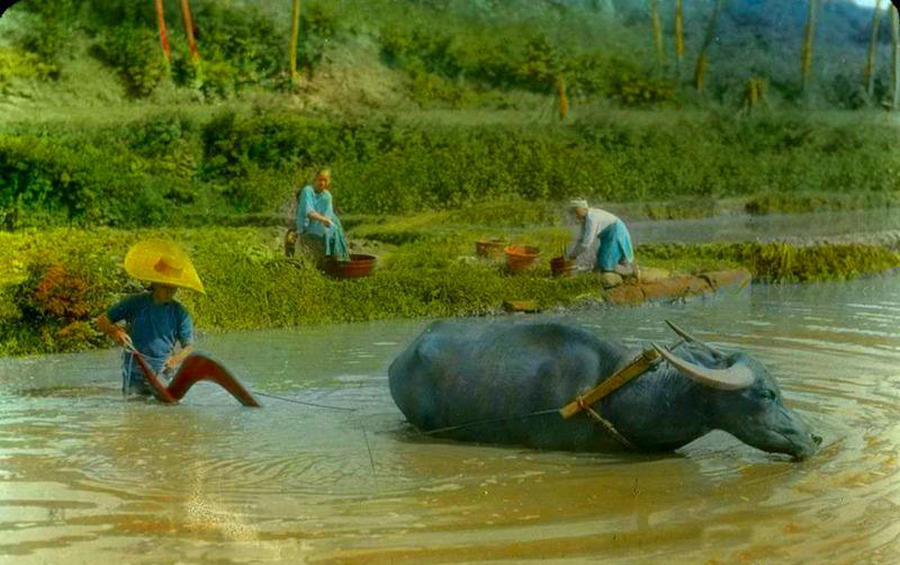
{"type": "Point", "coordinates": [319, 232]}
{"type": "Point", "coordinates": [614, 251]}
{"type": "Point", "coordinates": [155, 321]}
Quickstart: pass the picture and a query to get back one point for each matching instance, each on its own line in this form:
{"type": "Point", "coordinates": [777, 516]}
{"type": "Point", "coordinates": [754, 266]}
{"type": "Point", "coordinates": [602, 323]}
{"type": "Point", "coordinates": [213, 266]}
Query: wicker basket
{"type": "Point", "coordinates": [562, 267]}
{"type": "Point", "coordinates": [491, 248]}
{"type": "Point", "coordinates": [520, 258]}
{"type": "Point", "coordinates": [358, 266]}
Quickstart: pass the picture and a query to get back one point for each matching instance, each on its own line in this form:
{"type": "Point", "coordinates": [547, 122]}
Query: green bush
{"type": "Point", "coordinates": [17, 64]}
{"type": "Point", "coordinates": [136, 56]}
{"type": "Point", "coordinates": [639, 89]}
{"type": "Point", "coordinates": [168, 168]}
{"type": "Point", "coordinates": [50, 28]}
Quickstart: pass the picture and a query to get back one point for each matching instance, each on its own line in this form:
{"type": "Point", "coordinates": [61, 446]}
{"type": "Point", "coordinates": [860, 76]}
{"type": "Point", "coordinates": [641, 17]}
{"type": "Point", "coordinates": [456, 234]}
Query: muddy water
{"type": "Point", "coordinates": [86, 477]}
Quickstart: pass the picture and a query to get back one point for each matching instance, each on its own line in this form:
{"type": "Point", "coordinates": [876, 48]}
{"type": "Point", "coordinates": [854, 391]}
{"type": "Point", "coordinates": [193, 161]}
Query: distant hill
{"type": "Point", "coordinates": [435, 53]}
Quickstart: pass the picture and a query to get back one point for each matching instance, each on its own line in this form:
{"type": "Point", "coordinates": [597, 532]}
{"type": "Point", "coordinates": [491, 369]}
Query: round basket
{"type": "Point", "coordinates": [490, 248]}
{"type": "Point", "coordinates": [359, 265]}
{"type": "Point", "coordinates": [519, 258]}
{"type": "Point", "coordinates": [562, 267]}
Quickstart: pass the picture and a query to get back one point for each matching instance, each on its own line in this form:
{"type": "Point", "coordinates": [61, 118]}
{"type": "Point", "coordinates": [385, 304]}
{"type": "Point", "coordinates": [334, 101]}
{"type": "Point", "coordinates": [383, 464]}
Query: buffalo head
{"type": "Point", "coordinates": [742, 398]}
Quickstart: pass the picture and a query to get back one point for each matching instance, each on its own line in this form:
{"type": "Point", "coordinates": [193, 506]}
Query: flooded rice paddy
{"type": "Point", "coordinates": [87, 477]}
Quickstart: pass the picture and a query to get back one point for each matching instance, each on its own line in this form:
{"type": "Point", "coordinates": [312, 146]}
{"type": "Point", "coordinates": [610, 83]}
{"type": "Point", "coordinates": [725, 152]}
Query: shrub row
{"type": "Point", "coordinates": [164, 169]}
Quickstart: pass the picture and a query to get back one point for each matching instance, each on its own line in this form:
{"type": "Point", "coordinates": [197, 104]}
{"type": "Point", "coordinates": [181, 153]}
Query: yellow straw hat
{"type": "Point", "coordinates": [159, 261]}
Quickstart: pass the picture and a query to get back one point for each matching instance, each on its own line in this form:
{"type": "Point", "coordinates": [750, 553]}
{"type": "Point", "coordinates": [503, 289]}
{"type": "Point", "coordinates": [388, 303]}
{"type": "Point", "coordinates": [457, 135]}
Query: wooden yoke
{"type": "Point", "coordinates": [637, 367]}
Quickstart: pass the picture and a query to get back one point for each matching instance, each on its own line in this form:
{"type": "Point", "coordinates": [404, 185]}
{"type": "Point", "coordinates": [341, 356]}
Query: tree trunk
{"type": "Point", "coordinates": [657, 32]}
{"type": "Point", "coordinates": [703, 60]}
{"type": "Point", "coordinates": [163, 38]}
{"type": "Point", "coordinates": [869, 73]}
{"type": "Point", "coordinates": [806, 56]}
{"type": "Point", "coordinates": [189, 29]}
{"type": "Point", "coordinates": [679, 34]}
{"type": "Point", "coordinates": [895, 58]}
{"type": "Point", "coordinates": [295, 32]}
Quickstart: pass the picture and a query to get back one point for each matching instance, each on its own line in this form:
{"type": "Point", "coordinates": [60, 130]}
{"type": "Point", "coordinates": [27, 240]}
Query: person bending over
{"type": "Point", "coordinates": [614, 250]}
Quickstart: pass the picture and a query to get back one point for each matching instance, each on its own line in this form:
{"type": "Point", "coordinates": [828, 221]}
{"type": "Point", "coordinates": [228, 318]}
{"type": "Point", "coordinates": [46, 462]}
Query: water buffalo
{"type": "Point", "coordinates": [502, 382]}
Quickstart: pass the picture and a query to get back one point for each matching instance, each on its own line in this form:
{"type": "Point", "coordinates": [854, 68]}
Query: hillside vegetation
{"type": "Point", "coordinates": [426, 104]}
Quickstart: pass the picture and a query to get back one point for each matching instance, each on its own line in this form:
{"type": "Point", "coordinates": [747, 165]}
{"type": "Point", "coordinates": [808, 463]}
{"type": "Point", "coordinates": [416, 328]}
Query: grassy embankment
{"type": "Point", "coordinates": [423, 272]}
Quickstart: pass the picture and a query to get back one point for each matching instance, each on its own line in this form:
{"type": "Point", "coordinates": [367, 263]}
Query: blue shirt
{"type": "Point", "coordinates": [154, 328]}
{"type": "Point", "coordinates": [312, 201]}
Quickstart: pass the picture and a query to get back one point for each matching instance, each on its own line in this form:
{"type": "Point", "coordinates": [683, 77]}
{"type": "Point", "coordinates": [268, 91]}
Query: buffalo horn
{"type": "Point", "coordinates": [691, 339]}
{"type": "Point", "coordinates": [735, 377]}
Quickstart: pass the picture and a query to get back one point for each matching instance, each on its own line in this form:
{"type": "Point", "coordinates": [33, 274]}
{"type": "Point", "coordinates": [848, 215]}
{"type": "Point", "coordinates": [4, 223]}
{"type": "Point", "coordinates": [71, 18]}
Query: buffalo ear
{"type": "Point", "coordinates": [736, 377]}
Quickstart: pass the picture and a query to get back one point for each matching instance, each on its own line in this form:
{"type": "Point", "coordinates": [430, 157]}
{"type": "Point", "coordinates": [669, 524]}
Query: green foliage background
{"type": "Point", "coordinates": [181, 169]}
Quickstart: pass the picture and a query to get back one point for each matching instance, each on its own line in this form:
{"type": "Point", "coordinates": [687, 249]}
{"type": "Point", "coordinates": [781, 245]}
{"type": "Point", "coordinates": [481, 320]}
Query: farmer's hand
{"type": "Point", "coordinates": [172, 364]}
{"type": "Point", "coordinates": [121, 336]}
{"type": "Point", "coordinates": [327, 222]}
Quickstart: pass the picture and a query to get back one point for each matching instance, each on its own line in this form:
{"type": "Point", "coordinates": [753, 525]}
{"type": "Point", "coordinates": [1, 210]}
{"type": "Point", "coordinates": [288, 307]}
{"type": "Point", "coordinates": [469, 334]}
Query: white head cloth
{"type": "Point", "coordinates": [578, 203]}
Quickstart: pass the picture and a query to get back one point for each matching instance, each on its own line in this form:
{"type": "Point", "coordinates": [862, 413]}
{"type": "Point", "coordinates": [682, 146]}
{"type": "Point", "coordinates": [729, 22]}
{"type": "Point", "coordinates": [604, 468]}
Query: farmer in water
{"type": "Point", "coordinates": [614, 252]}
{"type": "Point", "coordinates": [319, 232]}
{"type": "Point", "coordinates": [155, 321]}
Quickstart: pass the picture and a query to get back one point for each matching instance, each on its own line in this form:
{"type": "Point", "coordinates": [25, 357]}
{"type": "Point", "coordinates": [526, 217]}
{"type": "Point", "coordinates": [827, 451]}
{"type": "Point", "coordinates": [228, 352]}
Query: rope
{"type": "Point", "coordinates": [607, 425]}
{"type": "Point", "coordinates": [491, 421]}
{"type": "Point", "coordinates": [371, 458]}
{"type": "Point", "coordinates": [133, 351]}
{"type": "Point", "coordinates": [295, 401]}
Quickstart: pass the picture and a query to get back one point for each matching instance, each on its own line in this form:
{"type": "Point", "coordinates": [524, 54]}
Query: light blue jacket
{"type": "Point", "coordinates": [311, 201]}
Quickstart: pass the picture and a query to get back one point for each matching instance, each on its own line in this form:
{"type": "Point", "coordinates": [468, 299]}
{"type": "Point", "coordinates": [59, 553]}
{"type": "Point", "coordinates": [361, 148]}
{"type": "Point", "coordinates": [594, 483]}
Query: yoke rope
{"type": "Point", "coordinates": [607, 425]}
{"type": "Point", "coordinates": [295, 401]}
{"type": "Point", "coordinates": [491, 421]}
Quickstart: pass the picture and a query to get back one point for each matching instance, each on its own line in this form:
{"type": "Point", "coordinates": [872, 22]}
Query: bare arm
{"type": "Point", "coordinates": [583, 239]}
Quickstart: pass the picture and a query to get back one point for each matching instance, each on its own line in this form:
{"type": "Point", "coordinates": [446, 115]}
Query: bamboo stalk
{"type": "Point", "coordinates": [679, 33]}
{"type": "Point", "coordinates": [703, 59]}
{"type": "Point", "coordinates": [574, 90]}
{"type": "Point", "coordinates": [295, 32]}
{"type": "Point", "coordinates": [163, 37]}
{"type": "Point", "coordinates": [869, 73]}
{"type": "Point", "coordinates": [657, 31]}
{"type": "Point", "coordinates": [809, 34]}
{"type": "Point", "coordinates": [563, 99]}
{"type": "Point", "coordinates": [189, 29]}
{"type": "Point", "coordinates": [895, 58]}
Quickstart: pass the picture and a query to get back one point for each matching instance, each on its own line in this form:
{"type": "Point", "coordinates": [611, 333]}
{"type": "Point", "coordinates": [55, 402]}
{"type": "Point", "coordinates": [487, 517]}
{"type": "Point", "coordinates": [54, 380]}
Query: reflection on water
{"type": "Point", "coordinates": [87, 476]}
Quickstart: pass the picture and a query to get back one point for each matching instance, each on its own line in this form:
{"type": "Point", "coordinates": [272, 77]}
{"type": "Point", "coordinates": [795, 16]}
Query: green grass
{"type": "Point", "coordinates": [430, 272]}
